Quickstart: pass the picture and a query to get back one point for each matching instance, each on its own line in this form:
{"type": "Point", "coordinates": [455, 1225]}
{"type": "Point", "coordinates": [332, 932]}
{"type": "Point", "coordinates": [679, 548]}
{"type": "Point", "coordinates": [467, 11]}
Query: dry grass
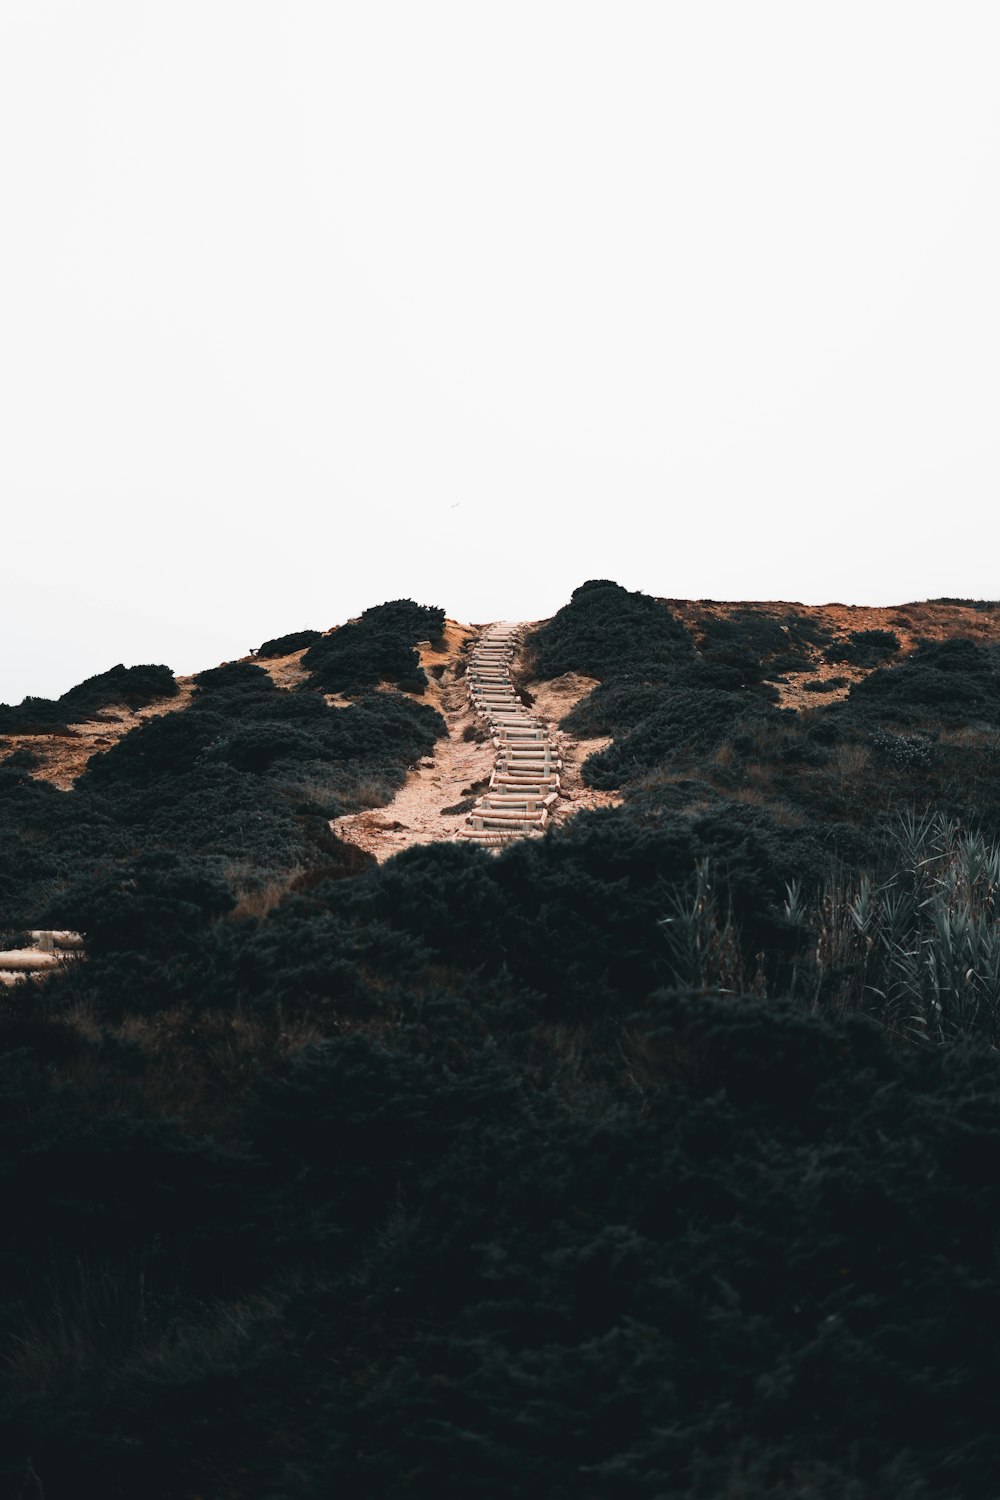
{"type": "Point", "coordinates": [198, 1064]}
{"type": "Point", "coordinates": [849, 761]}
{"type": "Point", "coordinates": [261, 902]}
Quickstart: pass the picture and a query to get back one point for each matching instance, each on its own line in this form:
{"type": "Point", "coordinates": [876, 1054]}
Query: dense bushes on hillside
{"type": "Point", "coordinates": [515, 1211]}
{"type": "Point", "coordinates": [239, 718]}
{"type": "Point", "coordinates": [863, 648]}
{"type": "Point", "coordinates": [377, 647]}
{"type": "Point", "coordinates": [246, 777]}
{"type": "Point", "coordinates": [153, 903]}
{"type": "Point", "coordinates": [119, 687]}
{"type": "Point", "coordinates": [689, 719]}
{"type": "Point", "coordinates": [284, 645]}
{"type": "Point", "coordinates": [984, 606]}
{"type": "Point", "coordinates": [604, 630]}
{"type": "Point", "coordinates": [955, 680]}
{"type": "Point", "coordinates": [757, 645]}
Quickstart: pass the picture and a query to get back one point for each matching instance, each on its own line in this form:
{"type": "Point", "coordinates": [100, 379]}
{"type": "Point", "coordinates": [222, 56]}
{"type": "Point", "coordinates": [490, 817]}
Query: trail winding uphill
{"type": "Point", "coordinates": [503, 771]}
{"type": "Point", "coordinates": [525, 783]}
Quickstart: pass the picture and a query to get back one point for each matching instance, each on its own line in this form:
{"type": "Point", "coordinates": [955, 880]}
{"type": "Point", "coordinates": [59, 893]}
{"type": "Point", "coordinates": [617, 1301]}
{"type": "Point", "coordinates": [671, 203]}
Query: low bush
{"type": "Point", "coordinates": [235, 677]}
{"type": "Point", "coordinates": [863, 648]}
{"type": "Point", "coordinates": [954, 680]}
{"type": "Point", "coordinates": [120, 686]}
{"type": "Point", "coordinates": [155, 903]}
{"type": "Point", "coordinates": [9, 940]}
{"type": "Point", "coordinates": [285, 645]}
{"type": "Point", "coordinates": [903, 751]}
{"type": "Point", "coordinates": [747, 634]}
{"type": "Point", "coordinates": [378, 647]}
{"type": "Point", "coordinates": [984, 606]}
{"type": "Point", "coordinates": [22, 760]}
{"type": "Point", "coordinates": [692, 720]}
{"type": "Point", "coordinates": [603, 630]}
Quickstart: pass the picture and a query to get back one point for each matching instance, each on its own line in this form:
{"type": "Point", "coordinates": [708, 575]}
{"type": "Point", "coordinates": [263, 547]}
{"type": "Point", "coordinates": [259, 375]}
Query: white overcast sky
{"type": "Point", "coordinates": [304, 306]}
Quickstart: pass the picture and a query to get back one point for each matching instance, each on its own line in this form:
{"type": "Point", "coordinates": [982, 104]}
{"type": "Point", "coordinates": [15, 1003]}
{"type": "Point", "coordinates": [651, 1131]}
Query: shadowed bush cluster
{"type": "Point", "coordinates": [377, 647]}
{"type": "Point", "coordinates": [605, 629]}
{"type": "Point", "coordinates": [863, 648]}
{"type": "Point", "coordinates": [955, 680]}
{"type": "Point", "coordinates": [284, 645]}
{"type": "Point", "coordinates": [119, 687]}
{"type": "Point", "coordinates": [246, 777]}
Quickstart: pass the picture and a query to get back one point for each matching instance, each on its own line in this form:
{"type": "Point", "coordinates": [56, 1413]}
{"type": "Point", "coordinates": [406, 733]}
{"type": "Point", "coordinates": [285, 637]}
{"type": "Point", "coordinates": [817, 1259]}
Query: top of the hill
{"type": "Point", "coordinates": [809, 652]}
{"type": "Point", "coordinates": [821, 642]}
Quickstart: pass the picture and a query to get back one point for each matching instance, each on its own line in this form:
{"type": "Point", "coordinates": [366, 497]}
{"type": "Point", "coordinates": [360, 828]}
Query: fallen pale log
{"type": "Point", "coordinates": [27, 960]}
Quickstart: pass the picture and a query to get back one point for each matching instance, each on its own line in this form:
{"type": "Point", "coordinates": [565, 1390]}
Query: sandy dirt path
{"type": "Point", "coordinates": [416, 814]}
{"type": "Point", "coordinates": [460, 768]}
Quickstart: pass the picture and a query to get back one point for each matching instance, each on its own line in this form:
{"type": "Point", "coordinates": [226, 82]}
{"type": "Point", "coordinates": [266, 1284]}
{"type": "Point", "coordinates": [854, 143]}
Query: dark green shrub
{"type": "Point", "coordinates": [156, 903]}
{"type": "Point", "coordinates": [235, 677]}
{"type": "Point", "coordinates": [120, 686]}
{"type": "Point", "coordinates": [904, 752]}
{"type": "Point", "coordinates": [863, 648]}
{"type": "Point", "coordinates": [376, 648]}
{"type": "Point", "coordinates": [954, 680]}
{"type": "Point", "coordinates": [133, 686]}
{"type": "Point", "coordinates": [747, 635]}
{"type": "Point", "coordinates": [285, 645]}
{"type": "Point", "coordinates": [165, 746]}
{"type": "Point", "coordinates": [984, 606]}
{"type": "Point", "coordinates": [17, 939]}
{"type": "Point", "coordinates": [686, 720]}
{"type": "Point", "coordinates": [604, 629]}
{"type": "Point", "coordinates": [22, 760]}
{"type": "Point", "coordinates": [807, 630]}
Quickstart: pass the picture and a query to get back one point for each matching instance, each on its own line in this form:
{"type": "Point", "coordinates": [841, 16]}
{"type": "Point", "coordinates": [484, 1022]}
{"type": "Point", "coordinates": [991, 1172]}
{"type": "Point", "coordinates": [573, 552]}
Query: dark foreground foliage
{"type": "Point", "coordinates": [657, 1157]}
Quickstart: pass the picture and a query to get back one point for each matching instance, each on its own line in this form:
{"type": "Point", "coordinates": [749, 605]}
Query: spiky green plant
{"type": "Point", "coordinates": [703, 942]}
{"type": "Point", "coordinates": [921, 946]}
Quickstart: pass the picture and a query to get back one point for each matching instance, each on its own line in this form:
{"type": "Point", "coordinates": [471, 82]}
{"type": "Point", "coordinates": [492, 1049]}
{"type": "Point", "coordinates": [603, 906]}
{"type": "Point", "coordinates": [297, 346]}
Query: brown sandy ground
{"type": "Point", "coordinates": [912, 623]}
{"type": "Point", "coordinates": [415, 815]}
{"type": "Point", "coordinates": [64, 757]}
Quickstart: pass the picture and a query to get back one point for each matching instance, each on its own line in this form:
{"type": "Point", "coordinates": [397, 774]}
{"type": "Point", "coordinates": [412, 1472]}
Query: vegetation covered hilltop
{"type": "Point", "coordinates": [659, 1156]}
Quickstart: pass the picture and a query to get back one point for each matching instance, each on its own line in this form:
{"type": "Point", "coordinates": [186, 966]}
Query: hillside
{"type": "Point", "coordinates": [792, 637]}
{"type": "Point", "coordinates": [652, 1152]}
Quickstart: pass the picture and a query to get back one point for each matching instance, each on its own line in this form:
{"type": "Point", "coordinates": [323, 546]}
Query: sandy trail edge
{"type": "Point", "coordinates": [415, 815]}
